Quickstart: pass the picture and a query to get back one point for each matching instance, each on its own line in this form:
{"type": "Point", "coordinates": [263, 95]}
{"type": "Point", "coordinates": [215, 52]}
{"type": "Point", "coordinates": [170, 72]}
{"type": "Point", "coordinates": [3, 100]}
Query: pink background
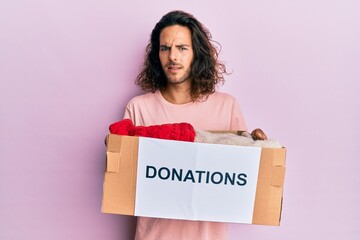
{"type": "Point", "coordinates": [67, 70]}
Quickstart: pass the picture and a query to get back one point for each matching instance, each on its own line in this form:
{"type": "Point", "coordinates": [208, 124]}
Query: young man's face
{"type": "Point", "coordinates": [176, 53]}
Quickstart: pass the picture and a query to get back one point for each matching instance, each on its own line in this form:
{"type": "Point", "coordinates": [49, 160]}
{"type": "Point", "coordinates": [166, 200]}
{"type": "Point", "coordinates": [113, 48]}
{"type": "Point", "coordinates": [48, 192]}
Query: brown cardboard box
{"type": "Point", "coordinates": [119, 190]}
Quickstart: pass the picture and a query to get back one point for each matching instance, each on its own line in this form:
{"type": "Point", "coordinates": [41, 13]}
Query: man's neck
{"type": "Point", "coordinates": [177, 93]}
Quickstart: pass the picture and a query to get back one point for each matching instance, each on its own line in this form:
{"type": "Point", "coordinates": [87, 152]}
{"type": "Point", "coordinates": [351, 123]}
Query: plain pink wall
{"type": "Point", "coordinates": [67, 70]}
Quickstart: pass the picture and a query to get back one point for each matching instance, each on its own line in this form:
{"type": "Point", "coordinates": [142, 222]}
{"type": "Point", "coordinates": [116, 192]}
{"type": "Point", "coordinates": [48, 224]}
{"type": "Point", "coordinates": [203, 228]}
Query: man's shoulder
{"type": "Point", "coordinates": [222, 96]}
{"type": "Point", "coordinates": [142, 98]}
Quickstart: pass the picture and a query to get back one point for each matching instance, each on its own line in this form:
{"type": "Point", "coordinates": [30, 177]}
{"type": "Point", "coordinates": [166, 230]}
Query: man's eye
{"type": "Point", "coordinates": [164, 48]}
{"type": "Point", "coordinates": [183, 48]}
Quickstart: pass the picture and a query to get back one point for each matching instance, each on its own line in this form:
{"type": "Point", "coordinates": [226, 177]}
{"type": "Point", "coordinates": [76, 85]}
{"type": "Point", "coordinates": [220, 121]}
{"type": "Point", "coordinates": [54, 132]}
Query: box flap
{"type": "Point", "coordinates": [121, 173]}
{"type": "Point", "coordinates": [269, 190]}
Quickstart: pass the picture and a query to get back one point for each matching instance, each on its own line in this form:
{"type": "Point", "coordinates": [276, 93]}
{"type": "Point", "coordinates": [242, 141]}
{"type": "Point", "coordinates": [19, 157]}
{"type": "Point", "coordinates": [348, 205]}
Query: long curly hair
{"type": "Point", "coordinates": [206, 70]}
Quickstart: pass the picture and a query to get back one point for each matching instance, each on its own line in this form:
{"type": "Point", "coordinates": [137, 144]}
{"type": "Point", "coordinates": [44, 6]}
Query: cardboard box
{"type": "Point", "coordinates": [208, 191]}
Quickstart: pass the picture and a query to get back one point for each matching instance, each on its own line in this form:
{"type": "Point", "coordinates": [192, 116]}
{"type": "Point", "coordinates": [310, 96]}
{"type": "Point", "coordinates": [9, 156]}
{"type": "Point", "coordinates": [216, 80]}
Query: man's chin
{"type": "Point", "coordinates": [177, 80]}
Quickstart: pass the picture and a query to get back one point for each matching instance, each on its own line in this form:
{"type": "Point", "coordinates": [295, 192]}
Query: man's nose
{"type": "Point", "coordinates": [173, 56]}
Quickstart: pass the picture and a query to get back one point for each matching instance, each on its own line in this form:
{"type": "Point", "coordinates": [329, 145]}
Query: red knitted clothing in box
{"type": "Point", "coordinates": [171, 131]}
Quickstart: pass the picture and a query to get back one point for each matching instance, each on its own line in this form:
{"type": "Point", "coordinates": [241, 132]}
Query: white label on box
{"type": "Point", "coordinates": [196, 181]}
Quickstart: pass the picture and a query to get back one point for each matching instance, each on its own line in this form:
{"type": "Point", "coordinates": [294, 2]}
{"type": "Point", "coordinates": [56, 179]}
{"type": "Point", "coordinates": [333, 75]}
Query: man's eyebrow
{"type": "Point", "coordinates": [178, 45]}
{"type": "Point", "coordinates": [182, 45]}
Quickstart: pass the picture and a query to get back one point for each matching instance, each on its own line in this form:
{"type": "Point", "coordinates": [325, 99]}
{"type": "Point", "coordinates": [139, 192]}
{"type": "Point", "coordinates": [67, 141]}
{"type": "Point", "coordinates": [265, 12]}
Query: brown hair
{"type": "Point", "coordinates": [206, 71]}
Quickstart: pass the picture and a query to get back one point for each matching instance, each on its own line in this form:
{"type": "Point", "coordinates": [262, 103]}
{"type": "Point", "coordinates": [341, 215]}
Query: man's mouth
{"type": "Point", "coordinates": [172, 66]}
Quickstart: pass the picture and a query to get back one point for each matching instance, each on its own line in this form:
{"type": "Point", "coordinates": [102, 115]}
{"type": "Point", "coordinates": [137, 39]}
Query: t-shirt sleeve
{"type": "Point", "coordinates": [237, 119]}
{"type": "Point", "coordinates": [128, 114]}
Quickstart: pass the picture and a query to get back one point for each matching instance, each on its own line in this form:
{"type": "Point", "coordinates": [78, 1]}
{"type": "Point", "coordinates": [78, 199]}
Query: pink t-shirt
{"type": "Point", "coordinates": [219, 112]}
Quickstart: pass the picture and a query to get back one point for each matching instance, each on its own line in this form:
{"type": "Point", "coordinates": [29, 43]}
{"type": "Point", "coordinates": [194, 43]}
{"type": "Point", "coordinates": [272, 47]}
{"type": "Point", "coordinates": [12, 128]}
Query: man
{"type": "Point", "coordinates": [181, 72]}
